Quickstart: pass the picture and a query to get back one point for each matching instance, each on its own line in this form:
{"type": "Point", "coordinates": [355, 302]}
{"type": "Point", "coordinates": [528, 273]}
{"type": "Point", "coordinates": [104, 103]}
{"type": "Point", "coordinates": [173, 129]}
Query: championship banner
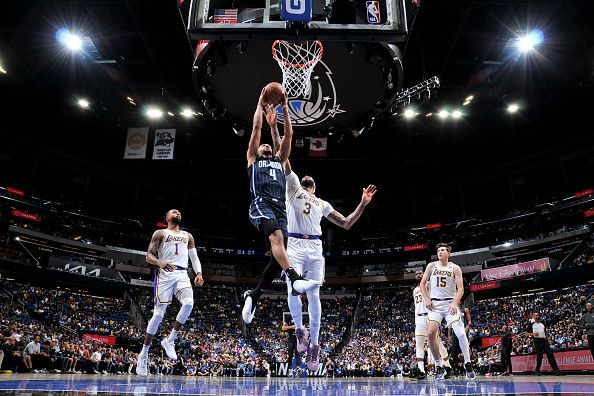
{"type": "Point", "coordinates": [488, 341]}
{"type": "Point", "coordinates": [103, 339]}
{"type": "Point", "coordinates": [570, 360]}
{"type": "Point", "coordinates": [164, 144]}
{"type": "Point", "coordinates": [515, 270]}
{"type": "Point", "coordinates": [136, 143]}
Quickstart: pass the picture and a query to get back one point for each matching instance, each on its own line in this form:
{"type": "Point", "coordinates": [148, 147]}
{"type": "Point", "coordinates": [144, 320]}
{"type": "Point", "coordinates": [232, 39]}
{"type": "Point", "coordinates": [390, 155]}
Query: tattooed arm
{"type": "Point", "coordinates": [347, 222]}
{"type": "Point", "coordinates": [152, 252]}
{"type": "Point", "coordinates": [271, 119]}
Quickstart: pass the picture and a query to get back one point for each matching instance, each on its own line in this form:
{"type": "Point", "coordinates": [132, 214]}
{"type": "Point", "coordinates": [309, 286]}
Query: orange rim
{"type": "Point", "coordinates": [297, 65]}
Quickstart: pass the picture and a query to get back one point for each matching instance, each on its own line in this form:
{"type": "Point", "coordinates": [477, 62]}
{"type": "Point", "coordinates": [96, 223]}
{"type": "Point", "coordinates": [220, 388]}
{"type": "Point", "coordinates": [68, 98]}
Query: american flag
{"type": "Point", "coordinates": [225, 15]}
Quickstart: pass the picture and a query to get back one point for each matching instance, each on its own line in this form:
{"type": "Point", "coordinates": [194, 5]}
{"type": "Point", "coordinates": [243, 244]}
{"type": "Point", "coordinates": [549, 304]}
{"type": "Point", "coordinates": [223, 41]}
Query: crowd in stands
{"type": "Point", "coordinates": [560, 311]}
{"type": "Point", "coordinates": [266, 328]}
{"type": "Point", "coordinates": [212, 344]}
{"type": "Point", "coordinates": [383, 339]}
{"type": "Point", "coordinates": [78, 312]}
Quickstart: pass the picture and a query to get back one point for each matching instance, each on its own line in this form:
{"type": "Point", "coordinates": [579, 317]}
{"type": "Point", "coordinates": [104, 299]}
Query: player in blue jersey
{"type": "Point", "coordinates": [268, 212]}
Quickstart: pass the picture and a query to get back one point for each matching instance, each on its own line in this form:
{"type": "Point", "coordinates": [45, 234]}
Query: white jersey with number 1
{"type": "Point", "coordinates": [174, 248]}
{"type": "Point", "coordinates": [304, 210]}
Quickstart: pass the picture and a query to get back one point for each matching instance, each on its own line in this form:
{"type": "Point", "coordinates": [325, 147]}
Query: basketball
{"type": "Point", "coordinates": [274, 93]}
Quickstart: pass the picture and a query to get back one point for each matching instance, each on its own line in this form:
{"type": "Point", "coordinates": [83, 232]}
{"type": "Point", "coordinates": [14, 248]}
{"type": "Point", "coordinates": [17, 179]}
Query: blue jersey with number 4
{"type": "Point", "coordinates": [267, 179]}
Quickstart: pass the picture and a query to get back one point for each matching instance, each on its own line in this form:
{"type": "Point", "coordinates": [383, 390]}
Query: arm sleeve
{"type": "Point", "coordinates": [293, 184]}
{"type": "Point", "coordinates": [195, 261]}
{"type": "Point", "coordinates": [327, 209]}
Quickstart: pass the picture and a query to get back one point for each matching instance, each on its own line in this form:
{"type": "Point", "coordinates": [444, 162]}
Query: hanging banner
{"type": "Point", "coordinates": [318, 147]}
{"type": "Point", "coordinates": [515, 270]}
{"type": "Point", "coordinates": [164, 144]}
{"type": "Point", "coordinates": [136, 143]}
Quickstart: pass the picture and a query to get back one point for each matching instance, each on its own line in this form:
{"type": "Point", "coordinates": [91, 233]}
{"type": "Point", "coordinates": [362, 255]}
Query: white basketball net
{"type": "Point", "coordinates": [297, 61]}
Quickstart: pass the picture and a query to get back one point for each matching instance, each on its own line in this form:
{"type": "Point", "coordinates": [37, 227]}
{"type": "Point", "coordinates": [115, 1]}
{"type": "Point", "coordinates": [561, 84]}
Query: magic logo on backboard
{"type": "Point", "coordinates": [321, 103]}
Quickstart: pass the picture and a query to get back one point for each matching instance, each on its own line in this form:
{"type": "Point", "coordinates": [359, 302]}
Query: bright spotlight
{"type": "Point", "coordinates": [456, 114]}
{"type": "Point", "coordinates": [528, 42]}
{"type": "Point", "coordinates": [469, 98]}
{"type": "Point", "coordinates": [409, 113]}
{"type": "Point", "coordinates": [513, 108]}
{"type": "Point", "coordinates": [507, 244]}
{"type": "Point", "coordinates": [83, 103]}
{"type": "Point", "coordinates": [70, 40]}
{"type": "Point", "coordinates": [153, 112]}
{"type": "Point", "coordinates": [170, 113]}
{"type": "Point", "coordinates": [187, 113]}
{"type": "Point", "coordinates": [443, 114]}
{"type": "Point", "coordinates": [2, 69]}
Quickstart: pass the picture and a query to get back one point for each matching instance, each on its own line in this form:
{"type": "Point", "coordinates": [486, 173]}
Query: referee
{"type": "Point", "coordinates": [587, 323]}
{"type": "Point", "coordinates": [537, 330]}
{"type": "Point", "coordinates": [292, 349]}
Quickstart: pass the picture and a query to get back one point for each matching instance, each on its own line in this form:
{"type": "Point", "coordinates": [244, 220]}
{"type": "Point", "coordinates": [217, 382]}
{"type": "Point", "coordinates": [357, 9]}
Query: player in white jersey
{"type": "Point", "coordinates": [421, 313]}
{"type": "Point", "coordinates": [304, 214]}
{"type": "Point", "coordinates": [442, 287]}
{"type": "Point", "coordinates": [169, 250]}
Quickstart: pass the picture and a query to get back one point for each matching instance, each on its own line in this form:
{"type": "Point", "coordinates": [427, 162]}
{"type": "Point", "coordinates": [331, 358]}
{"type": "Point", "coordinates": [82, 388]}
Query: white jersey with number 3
{"type": "Point", "coordinates": [442, 282]}
{"type": "Point", "coordinates": [304, 210]}
{"type": "Point", "coordinates": [174, 248]}
{"type": "Point", "coordinates": [420, 307]}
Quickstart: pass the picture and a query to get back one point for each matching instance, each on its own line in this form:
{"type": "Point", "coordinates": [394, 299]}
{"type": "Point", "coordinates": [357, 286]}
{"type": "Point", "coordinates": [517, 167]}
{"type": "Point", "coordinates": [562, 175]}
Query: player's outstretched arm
{"type": "Point", "coordinates": [272, 121]}
{"type": "Point", "coordinates": [285, 146]}
{"type": "Point", "coordinates": [196, 265]}
{"type": "Point", "coordinates": [423, 286]}
{"type": "Point", "coordinates": [347, 222]}
{"type": "Point", "coordinates": [152, 252]}
{"type": "Point", "coordinates": [252, 151]}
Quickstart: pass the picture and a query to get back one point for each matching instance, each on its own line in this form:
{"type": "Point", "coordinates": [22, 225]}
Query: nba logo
{"type": "Point", "coordinates": [373, 12]}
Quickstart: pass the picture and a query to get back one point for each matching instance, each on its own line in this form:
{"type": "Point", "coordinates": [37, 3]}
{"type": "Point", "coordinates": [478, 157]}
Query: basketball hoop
{"type": "Point", "coordinates": [297, 61]}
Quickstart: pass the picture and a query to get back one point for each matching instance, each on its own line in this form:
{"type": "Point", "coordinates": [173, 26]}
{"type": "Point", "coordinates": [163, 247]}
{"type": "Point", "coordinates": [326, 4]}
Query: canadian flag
{"type": "Point", "coordinates": [317, 147]}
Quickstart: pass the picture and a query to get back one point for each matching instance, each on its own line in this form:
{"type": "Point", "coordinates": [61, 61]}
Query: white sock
{"type": "Point", "coordinates": [421, 366]}
{"type": "Point", "coordinates": [172, 336]}
{"type": "Point", "coordinates": [438, 363]}
{"type": "Point", "coordinates": [145, 349]}
{"type": "Point", "coordinates": [446, 363]}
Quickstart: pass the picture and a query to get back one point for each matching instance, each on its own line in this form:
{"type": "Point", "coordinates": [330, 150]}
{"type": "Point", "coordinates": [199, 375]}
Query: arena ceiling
{"type": "Point", "coordinates": [139, 49]}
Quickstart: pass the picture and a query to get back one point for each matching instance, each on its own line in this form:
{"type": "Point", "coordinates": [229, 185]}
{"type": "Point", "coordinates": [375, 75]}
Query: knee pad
{"type": "Point", "coordinates": [186, 298]}
{"type": "Point", "coordinates": [158, 314]}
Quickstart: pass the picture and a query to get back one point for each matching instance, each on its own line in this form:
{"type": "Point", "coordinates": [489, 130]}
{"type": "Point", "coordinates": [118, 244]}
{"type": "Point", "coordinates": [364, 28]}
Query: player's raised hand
{"type": "Point", "coordinates": [285, 101]}
{"type": "Point", "coordinates": [368, 194]}
{"type": "Point", "coordinates": [198, 281]}
{"type": "Point", "coordinates": [270, 113]}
